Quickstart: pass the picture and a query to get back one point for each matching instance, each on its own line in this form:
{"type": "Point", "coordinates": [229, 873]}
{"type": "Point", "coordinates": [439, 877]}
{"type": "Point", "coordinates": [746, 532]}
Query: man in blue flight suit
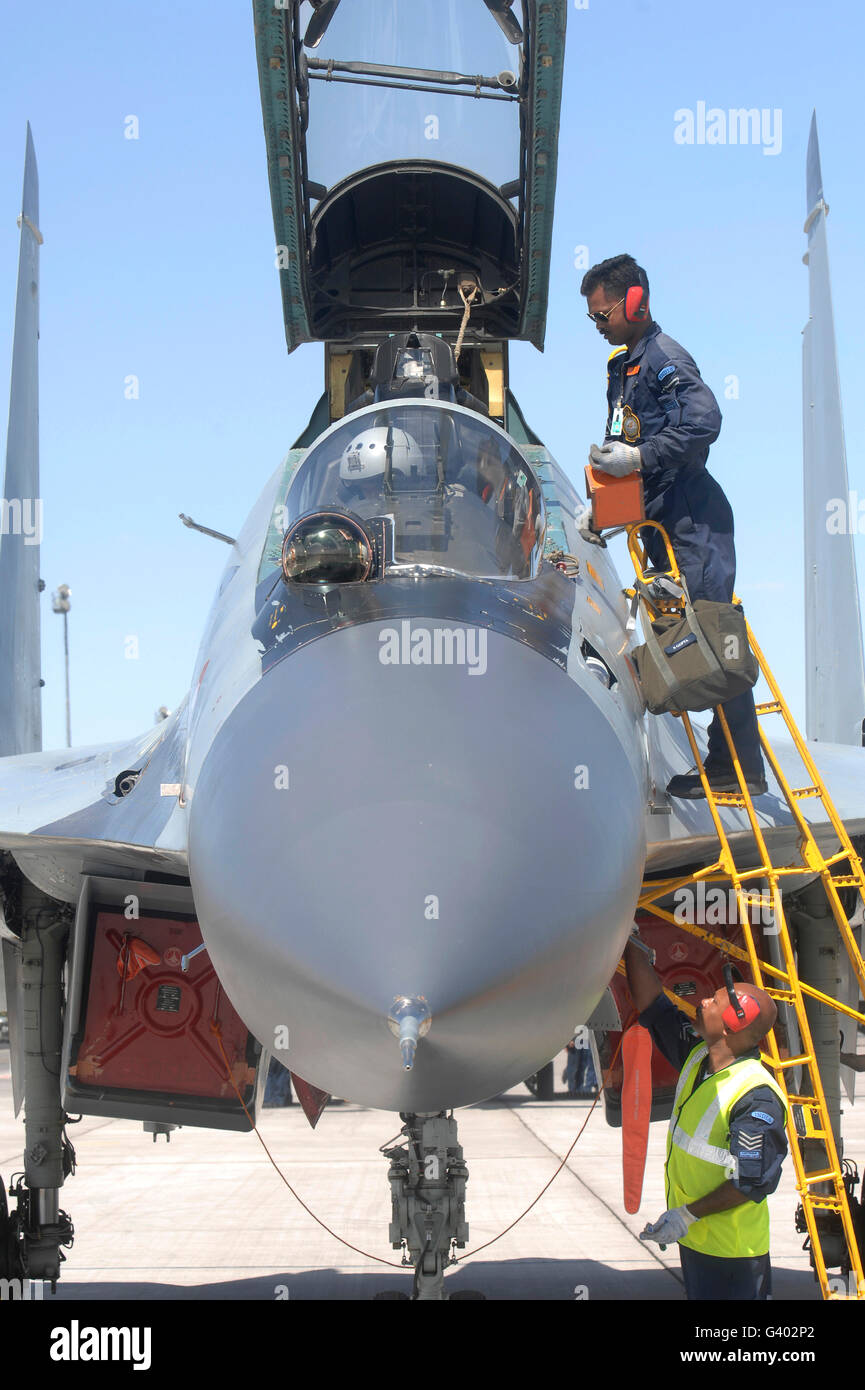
{"type": "Point", "coordinates": [661, 419]}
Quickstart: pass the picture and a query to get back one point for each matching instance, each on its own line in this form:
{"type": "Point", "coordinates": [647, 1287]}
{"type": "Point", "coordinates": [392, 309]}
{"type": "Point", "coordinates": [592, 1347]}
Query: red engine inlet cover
{"type": "Point", "coordinates": [148, 1025]}
{"type": "Point", "coordinates": [687, 965]}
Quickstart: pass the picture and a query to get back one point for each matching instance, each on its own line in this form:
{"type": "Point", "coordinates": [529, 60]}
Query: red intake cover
{"type": "Point", "coordinates": [148, 1028]}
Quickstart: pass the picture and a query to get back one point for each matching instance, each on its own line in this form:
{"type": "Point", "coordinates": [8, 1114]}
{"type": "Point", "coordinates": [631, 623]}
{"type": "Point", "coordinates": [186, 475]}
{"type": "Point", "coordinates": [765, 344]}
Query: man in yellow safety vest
{"type": "Point", "coordinates": [726, 1142]}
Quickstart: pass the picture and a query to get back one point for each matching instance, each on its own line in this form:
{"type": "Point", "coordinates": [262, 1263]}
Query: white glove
{"type": "Point", "coordinates": [670, 1227]}
{"type": "Point", "coordinates": [617, 458]}
{"type": "Point", "coordinates": [584, 526]}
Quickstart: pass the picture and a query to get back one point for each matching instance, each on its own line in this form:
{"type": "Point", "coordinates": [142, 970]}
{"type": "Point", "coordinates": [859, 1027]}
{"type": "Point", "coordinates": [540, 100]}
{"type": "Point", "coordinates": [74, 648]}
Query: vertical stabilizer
{"type": "Point", "coordinates": [835, 672]}
{"type": "Point", "coordinates": [21, 516]}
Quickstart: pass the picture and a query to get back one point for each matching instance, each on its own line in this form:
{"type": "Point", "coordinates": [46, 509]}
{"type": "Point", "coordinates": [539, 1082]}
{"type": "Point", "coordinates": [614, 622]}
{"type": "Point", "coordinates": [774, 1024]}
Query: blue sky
{"type": "Point", "coordinates": [159, 262]}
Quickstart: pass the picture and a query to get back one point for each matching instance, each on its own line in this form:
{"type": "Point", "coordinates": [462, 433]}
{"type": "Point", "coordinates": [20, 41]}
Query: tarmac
{"type": "Point", "coordinates": [206, 1216]}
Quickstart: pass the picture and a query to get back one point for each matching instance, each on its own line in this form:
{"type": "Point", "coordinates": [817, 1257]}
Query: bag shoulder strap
{"type": "Point", "coordinates": [693, 622]}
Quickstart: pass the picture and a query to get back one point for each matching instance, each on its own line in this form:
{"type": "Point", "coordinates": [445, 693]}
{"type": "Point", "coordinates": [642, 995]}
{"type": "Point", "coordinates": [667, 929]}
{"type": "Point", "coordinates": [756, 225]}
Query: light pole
{"type": "Point", "coordinates": [61, 604]}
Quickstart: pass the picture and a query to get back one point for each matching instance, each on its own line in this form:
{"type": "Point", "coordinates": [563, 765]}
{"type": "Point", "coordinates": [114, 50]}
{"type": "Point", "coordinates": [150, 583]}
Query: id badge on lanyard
{"type": "Point", "coordinates": [617, 420]}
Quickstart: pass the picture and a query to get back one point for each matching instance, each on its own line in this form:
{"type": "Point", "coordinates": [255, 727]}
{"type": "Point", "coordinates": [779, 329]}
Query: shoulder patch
{"type": "Point", "coordinates": [665, 371]}
{"type": "Point", "coordinates": [761, 1115]}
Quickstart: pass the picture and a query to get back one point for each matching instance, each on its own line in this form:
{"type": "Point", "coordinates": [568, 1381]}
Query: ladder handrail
{"type": "Point", "coordinates": [811, 1103]}
{"type": "Point", "coordinates": [739, 953]}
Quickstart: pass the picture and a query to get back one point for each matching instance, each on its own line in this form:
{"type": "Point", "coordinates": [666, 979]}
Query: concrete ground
{"type": "Point", "coordinates": [207, 1217]}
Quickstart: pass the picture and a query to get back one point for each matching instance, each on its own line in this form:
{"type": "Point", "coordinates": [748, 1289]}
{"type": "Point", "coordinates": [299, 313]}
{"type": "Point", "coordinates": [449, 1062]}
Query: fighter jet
{"type": "Point", "coordinates": [395, 834]}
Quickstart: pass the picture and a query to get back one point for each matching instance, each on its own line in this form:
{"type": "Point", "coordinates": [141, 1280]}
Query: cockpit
{"type": "Point", "coordinates": [444, 488]}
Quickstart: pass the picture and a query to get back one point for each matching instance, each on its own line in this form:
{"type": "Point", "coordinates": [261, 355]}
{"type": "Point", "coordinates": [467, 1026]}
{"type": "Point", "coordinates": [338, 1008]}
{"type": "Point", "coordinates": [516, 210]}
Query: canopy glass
{"type": "Point", "coordinates": [353, 125]}
{"type": "Point", "coordinates": [457, 495]}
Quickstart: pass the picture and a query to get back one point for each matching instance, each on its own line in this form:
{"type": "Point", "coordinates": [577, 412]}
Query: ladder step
{"type": "Point", "coordinates": [837, 870]}
{"type": "Point", "coordinates": [841, 857]}
{"type": "Point", "coordinates": [811, 1105]}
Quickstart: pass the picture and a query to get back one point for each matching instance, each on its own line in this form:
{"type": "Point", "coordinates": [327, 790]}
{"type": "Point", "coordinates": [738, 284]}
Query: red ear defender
{"type": "Point", "coordinates": [636, 307]}
{"type": "Point", "coordinates": [751, 1010]}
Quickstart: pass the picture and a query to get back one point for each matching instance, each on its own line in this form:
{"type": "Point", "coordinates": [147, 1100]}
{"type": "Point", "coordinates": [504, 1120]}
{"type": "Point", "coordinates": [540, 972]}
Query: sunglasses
{"type": "Point", "coordinates": [603, 315]}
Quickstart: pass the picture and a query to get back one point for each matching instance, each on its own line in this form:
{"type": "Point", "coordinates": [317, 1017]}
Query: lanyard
{"type": "Point", "coordinates": [617, 418]}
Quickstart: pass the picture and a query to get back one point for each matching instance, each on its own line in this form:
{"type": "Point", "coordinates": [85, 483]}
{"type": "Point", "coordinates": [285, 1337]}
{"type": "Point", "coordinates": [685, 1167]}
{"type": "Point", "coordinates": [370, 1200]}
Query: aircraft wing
{"type": "Point", "coordinates": [77, 810]}
{"type": "Point", "coordinates": [100, 808]}
{"type": "Point", "coordinates": [681, 832]}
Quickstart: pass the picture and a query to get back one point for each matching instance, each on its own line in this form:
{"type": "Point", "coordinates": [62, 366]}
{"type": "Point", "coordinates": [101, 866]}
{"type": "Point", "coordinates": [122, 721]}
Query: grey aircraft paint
{"type": "Point", "coordinates": [406, 783]}
{"type": "Point", "coordinates": [410, 830]}
{"type": "Point", "coordinates": [835, 671]}
{"type": "Point", "coordinates": [432, 795]}
{"type": "Point", "coordinates": [20, 692]}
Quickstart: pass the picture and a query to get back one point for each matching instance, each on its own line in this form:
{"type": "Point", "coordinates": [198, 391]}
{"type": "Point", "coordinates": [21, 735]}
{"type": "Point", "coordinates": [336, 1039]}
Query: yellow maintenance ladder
{"type": "Point", "coordinates": [822, 1191]}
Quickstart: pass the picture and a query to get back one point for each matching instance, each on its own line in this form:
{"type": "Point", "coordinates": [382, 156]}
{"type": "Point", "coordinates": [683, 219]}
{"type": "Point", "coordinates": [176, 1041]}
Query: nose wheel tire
{"type": "Point", "coordinates": [542, 1084]}
{"type": "Point", "coordinates": [10, 1259]}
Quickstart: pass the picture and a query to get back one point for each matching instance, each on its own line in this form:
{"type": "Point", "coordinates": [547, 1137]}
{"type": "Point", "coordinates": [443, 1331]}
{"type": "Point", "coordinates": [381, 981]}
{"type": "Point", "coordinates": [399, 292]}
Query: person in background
{"type": "Point", "coordinates": [579, 1073]}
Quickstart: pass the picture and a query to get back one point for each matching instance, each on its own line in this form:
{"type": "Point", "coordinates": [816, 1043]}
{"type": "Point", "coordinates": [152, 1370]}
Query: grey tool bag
{"type": "Point", "coordinates": [695, 660]}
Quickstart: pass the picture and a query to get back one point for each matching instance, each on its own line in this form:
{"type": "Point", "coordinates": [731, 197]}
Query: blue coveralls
{"type": "Point", "coordinates": [673, 417]}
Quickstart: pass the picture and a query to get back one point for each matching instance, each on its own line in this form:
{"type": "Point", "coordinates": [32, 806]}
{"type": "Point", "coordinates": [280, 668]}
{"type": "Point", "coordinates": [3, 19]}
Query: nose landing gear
{"type": "Point", "coordinates": [428, 1177]}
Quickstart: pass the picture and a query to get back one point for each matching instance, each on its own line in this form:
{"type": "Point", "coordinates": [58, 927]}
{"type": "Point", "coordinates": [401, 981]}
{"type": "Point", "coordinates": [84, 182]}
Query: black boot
{"type": "Point", "coordinates": [688, 786]}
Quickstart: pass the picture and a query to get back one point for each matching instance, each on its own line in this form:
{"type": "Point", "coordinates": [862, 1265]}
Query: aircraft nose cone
{"type": "Point", "coordinates": [363, 831]}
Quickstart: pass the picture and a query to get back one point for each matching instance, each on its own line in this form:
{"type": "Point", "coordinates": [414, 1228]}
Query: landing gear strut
{"type": "Point", "coordinates": [428, 1177]}
{"type": "Point", "coordinates": [33, 1236]}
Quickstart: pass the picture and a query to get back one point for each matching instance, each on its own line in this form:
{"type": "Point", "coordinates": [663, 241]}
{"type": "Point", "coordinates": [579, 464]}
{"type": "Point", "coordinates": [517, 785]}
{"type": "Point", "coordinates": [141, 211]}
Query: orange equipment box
{"type": "Point", "coordinates": [615, 501]}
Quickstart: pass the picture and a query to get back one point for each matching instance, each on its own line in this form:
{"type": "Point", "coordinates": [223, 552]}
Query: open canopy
{"type": "Point", "coordinates": [412, 156]}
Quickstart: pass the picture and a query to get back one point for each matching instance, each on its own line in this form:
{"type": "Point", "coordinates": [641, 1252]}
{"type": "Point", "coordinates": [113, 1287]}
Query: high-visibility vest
{"type": "Point", "coordinates": [699, 1157]}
